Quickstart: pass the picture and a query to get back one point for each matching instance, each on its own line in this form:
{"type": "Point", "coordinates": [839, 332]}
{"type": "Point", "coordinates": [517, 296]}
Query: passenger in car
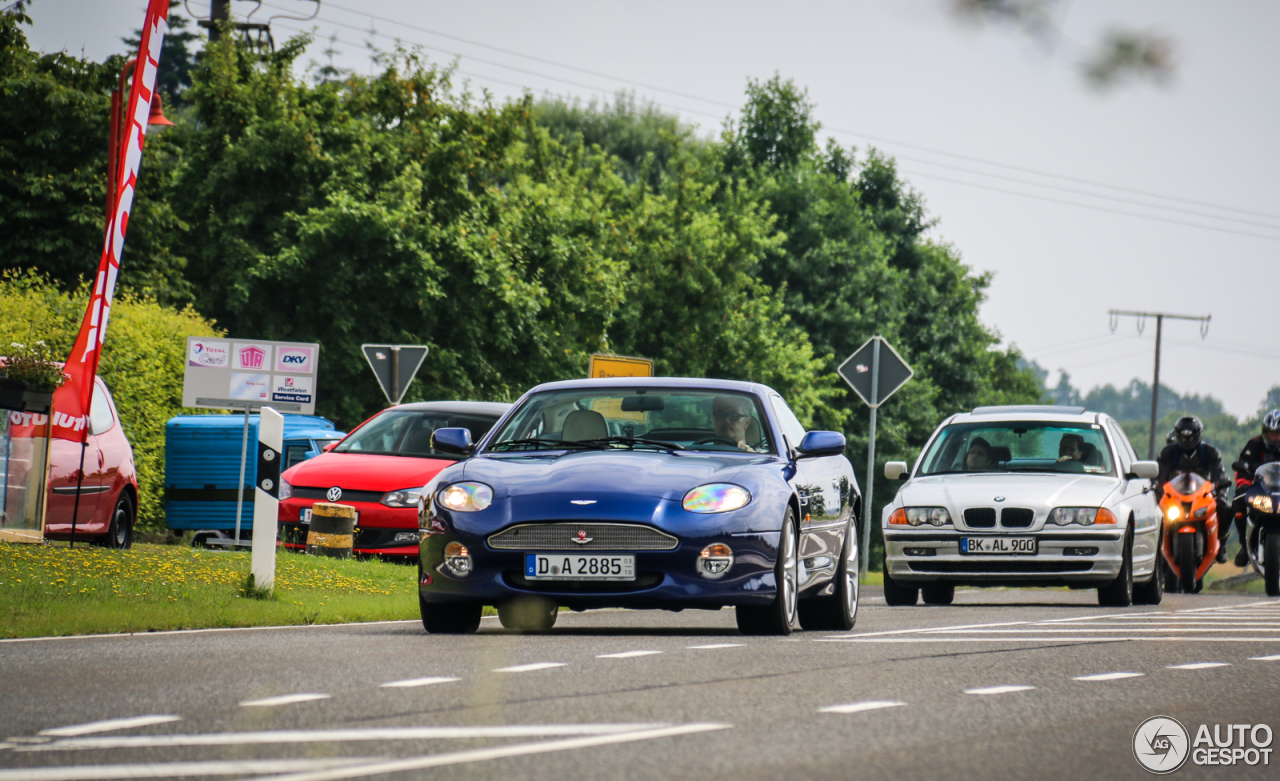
{"type": "Point", "coordinates": [730, 417]}
{"type": "Point", "coordinates": [979, 456]}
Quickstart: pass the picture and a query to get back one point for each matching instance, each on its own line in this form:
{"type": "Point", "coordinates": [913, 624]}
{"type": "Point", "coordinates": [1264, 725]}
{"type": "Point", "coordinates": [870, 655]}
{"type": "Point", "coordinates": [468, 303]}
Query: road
{"type": "Point", "coordinates": [1004, 684]}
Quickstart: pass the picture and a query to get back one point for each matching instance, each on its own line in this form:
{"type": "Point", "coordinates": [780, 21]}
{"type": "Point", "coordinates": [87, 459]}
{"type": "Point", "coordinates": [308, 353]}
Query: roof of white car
{"type": "Point", "coordinates": [1048, 412]}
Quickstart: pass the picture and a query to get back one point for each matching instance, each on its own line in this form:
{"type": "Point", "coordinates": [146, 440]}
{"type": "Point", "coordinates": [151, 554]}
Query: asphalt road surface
{"type": "Point", "coordinates": [1004, 684]}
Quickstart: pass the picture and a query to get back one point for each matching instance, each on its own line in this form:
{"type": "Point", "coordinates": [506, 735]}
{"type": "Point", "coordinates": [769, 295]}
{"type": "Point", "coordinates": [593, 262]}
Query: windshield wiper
{"type": "Point", "coordinates": [633, 441]}
{"type": "Point", "coordinates": [548, 444]}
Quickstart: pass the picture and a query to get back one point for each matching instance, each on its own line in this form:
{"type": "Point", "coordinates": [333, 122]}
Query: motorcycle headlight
{"type": "Point", "coordinates": [716, 498]}
{"type": "Point", "coordinates": [286, 490]}
{"type": "Point", "coordinates": [1084, 516]}
{"type": "Point", "coordinates": [404, 497]}
{"type": "Point", "coordinates": [937, 516]}
{"type": "Point", "coordinates": [467, 497]}
{"type": "Point", "coordinates": [1261, 503]}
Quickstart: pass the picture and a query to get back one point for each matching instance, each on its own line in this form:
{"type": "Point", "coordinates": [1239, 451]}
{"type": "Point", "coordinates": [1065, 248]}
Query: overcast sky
{"type": "Point", "coordinates": [1002, 136]}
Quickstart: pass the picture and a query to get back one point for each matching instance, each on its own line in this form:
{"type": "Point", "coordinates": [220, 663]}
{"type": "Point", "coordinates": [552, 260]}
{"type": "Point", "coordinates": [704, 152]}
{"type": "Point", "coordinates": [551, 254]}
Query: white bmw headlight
{"type": "Point", "coordinates": [467, 497]}
{"type": "Point", "coordinates": [1083, 516]}
{"type": "Point", "coordinates": [716, 498]}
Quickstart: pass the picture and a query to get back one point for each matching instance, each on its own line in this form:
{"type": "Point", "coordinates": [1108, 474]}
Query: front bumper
{"type": "Point", "coordinates": [1062, 558]}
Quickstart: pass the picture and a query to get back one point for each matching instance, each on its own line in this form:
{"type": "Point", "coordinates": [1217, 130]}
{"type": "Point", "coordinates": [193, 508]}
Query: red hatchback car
{"type": "Point", "coordinates": [380, 468]}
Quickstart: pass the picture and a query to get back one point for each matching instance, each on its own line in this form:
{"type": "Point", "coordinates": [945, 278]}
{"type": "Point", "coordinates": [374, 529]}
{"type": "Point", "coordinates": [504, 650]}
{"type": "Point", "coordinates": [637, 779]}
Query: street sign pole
{"type": "Point", "coordinates": [871, 461]}
{"type": "Point", "coordinates": [244, 455]}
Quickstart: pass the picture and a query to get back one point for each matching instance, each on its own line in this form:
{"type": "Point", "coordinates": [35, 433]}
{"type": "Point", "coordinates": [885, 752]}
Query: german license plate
{"type": "Point", "coordinates": [304, 516]}
{"type": "Point", "coordinates": [987, 545]}
{"type": "Point", "coordinates": [559, 566]}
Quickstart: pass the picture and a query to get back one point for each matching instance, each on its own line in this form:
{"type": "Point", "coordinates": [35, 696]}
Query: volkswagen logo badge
{"type": "Point", "coordinates": [581, 538]}
{"type": "Point", "coordinates": [999, 498]}
{"type": "Point", "coordinates": [334, 494]}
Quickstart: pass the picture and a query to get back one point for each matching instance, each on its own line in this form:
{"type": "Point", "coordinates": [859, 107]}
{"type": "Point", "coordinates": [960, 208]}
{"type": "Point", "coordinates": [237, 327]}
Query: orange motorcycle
{"type": "Point", "coordinates": [1190, 531]}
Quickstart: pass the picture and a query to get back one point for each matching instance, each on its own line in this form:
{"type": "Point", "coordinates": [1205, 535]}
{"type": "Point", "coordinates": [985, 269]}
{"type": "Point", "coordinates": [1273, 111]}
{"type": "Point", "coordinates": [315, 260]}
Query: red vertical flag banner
{"type": "Point", "coordinates": [72, 400]}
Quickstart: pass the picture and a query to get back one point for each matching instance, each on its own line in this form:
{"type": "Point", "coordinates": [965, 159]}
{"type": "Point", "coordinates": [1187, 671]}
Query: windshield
{"type": "Point", "coordinates": [1018, 446]}
{"type": "Point", "coordinates": [656, 418]}
{"type": "Point", "coordinates": [408, 433]}
{"type": "Point", "coordinates": [1187, 483]}
{"type": "Point", "coordinates": [1269, 476]}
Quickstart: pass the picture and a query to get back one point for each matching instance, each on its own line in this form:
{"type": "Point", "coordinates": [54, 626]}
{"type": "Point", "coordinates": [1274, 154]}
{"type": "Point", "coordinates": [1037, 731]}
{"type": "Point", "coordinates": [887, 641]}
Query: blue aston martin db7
{"type": "Point", "coordinates": [666, 493]}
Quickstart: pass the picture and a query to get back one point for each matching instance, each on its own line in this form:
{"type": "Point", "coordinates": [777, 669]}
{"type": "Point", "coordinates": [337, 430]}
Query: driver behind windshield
{"type": "Point", "coordinates": [730, 416]}
{"type": "Point", "coordinates": [1071, 448]}
{"type": "Point", "coordinates": [979, 456]}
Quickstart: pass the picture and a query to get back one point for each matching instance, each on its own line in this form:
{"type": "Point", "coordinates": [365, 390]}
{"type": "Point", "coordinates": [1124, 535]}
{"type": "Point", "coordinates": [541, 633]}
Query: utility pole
{"type": "Point", "coordinates": [1116, 314]}
{"type": "Point", "coordinates": [219, 14]}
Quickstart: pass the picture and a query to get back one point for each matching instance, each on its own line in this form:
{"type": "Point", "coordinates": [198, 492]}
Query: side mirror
{"type": "Point", "coordinates": [330, 446]}
{"type": "Point", "coordinates": [896, 470]}
{"type": "Point", "coordinates": [1143, 470]}
{"type": "Point", "coordinates": [817, 444]}
{"type": "Point", "coordinates": [451, 440]}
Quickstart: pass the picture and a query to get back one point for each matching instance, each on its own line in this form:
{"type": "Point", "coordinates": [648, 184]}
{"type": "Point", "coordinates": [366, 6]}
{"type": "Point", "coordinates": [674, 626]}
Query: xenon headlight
{"type": "Point", "coordinates": [404, 497]}
{"type": "Point", "coordinates": [467, 497]}
{"type": "Point", "coordinates": [716, 498]}
{"type": "Point", "coordinates": [1261, 503]}
{"type": "Point", "coordinates": [1084, 516]}
{"type": "Point", "coordinates": [935, 516]}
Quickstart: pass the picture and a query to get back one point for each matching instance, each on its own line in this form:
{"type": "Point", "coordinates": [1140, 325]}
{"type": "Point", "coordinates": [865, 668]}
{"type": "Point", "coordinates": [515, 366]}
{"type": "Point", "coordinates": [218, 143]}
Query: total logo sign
{"type": "Point", "coordinates": [290, 388]}
{"type": "Point", "coordinates": [295, 360]}
{"type": "Point", "coordinates": [210, 354]}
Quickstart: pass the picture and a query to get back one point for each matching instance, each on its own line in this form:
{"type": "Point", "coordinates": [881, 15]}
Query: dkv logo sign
{"type": "Point", "coordinates": [295, 359]}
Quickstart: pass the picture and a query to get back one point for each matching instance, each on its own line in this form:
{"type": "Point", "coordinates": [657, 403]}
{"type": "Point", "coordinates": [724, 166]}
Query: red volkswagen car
{"type": "Point", "coordinates": [380, 468]}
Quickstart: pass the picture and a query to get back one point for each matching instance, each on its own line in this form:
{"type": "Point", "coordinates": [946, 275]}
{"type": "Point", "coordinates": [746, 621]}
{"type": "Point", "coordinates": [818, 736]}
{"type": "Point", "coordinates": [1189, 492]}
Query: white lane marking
{"type": "Point", "coordinates": [1107, 676]}
{"type": "Point", "coordinates": [1009, 689]}
{"type": "Point", "coordinates": [411, 682]}
{"type": "Point", "coordinates": [340, 736]}
{"type": "Point", "coordinates": [1197, 665]}
{"type": "Point", "coordinates": [497, 752]}
{"type": "Point", "coordinates": [1031, 630]}
{"type": "Point", "coordinates": [283, 699]}
{"type": "Point", "coordinates": [108, 725]}
{"type": "Point", "coordinates": [859, 707]}
{"type": "Point", "coordinates": [1056, 640]}
{"type": "Point", "coordinates": [177, 769]}
{"type": "Point", "coordinates": [713, 646]}
{"type": "Point", "coordinates": [528, 668]}
{"type": "Point", "coordinates": [201, 631]}
{"type": "Point", "coordinates": [627, 654]}
{"type": "Point", "coordinates": [1272, 658]}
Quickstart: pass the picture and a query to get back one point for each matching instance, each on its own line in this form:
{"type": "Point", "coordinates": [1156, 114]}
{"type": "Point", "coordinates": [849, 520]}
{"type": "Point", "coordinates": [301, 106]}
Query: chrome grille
{"type": "Point", "coordinates": [565, 536]}
{"type": "Point", "coordinates": [1017, 517]}
{"type": "Point", "coordinates": [980, 517]}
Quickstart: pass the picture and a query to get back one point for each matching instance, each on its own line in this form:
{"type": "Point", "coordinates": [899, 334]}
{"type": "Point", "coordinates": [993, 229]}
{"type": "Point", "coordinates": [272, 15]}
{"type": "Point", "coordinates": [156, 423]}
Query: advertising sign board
{"type": "Point", "coordinates": [250, 374]}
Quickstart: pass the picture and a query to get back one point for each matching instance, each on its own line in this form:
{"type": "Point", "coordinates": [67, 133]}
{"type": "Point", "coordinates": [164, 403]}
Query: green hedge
{"type": "Point", "coordinates": [142, 363]}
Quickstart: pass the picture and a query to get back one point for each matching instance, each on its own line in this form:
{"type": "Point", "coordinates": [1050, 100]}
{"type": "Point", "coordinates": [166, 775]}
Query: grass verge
{"type": "Point", "coordinates": [53, 590]}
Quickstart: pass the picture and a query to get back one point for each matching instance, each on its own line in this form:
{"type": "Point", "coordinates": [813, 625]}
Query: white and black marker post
{"type": "Point", "coordinates": [875, 371]}
{"type": "Point", "coordinates": [266, 498]}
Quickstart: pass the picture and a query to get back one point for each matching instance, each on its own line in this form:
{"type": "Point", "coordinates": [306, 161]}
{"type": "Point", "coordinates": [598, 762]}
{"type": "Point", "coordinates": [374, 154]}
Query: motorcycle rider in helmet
{"type": "Point", "coordinates": [1262, 449]}
{"type": "Point", "coordinates": [1189, 453]}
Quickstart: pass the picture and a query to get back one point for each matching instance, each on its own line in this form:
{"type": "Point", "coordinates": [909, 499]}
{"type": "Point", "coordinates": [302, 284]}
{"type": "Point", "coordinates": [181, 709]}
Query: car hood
{"type": "Point", "coordinates": [599, 473]}
{"type": "Point", "coordinates": [1037, 491]}
{"type": "Point", "coordinates": [364, 472]}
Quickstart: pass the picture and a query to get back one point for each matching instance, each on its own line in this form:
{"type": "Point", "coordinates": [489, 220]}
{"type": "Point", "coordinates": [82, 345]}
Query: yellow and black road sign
{"type": "Point", "coordinates": [619, 366]}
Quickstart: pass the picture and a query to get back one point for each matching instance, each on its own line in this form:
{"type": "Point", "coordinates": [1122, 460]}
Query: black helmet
{"type": "Point", "coordinates": [1271, 425]}
{"type": "Point", "coordinates": [1187, 430]}
{"type": "Point", "coordinates": [1171, 437]}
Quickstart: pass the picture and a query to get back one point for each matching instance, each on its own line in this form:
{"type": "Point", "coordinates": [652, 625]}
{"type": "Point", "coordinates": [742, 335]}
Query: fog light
{"type": "Point", "coordinates": [457, 559]}
{"type": "Point", "coordinates": [1079, 551]}
{"type": "Point", "coordinates": [406, 537]}
{"type": "Point", "coordinates": [715, 560]}
{"type": "Point", "coordinates": [920, 551]}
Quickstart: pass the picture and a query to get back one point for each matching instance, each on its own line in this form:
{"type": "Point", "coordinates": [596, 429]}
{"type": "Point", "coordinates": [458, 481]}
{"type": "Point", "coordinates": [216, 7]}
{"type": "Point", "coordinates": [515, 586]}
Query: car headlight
{"type": "Point", "coordinates": [1084, 516]}
{"type": "Point", "coordinates": [404, 497]}
{"type": "Point", "coordinates": [936, 516]}
{"type": "Point", "coordinates": [286, 490]}
{"type": "Point", "coordinates": [716, 498]}
{"type": "Point", "coordinates": [1261, 503]}
{"type": "Point", "coordinates": [467, 497]}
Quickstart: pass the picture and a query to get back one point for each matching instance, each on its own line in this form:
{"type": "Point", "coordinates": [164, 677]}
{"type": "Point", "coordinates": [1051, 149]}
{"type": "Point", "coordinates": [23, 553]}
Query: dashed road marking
{"type": "Point", "coordinates": [412, 682]}
{"type": "Point", "coordinates": [528, 668]}
{"type": "Point", "coordinates": [1108, 676]}
{"type": "Point", "coordinates": [627, 654]}
{"type": "Point", "coordinates": [108, 725]}
{"type": "Point", "coordinates": [283, 699]}
{"type": "Point", "coordinates": [1197, 665]}
{"type": "Point", "coordinates": [1008, 689]}
{"type": "Point", "coordinates": [859, 707]}
{"type": "Point", "coordinates": [1272, 658]}
{"type": "Point", "coordinates": [713, 646]}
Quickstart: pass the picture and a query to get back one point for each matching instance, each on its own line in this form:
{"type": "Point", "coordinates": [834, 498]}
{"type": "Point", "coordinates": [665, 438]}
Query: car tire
{"type": "Point", "coordinates": [1119, 592]}
{"type": "Point", "coordinates": [1271, 563]}
{"type": "Point", "coordinates": [1151, 592]}
{"type": "Point", "coordinates": [119, 534]}
{"type": "Point", "coordinates": [898, 594]}
{"type": "Point", "coordinates": [839, 611]}
{"type": "Point", "coordinates": [528, 614]}
{"type": "Point", "coordinates": [450, 618]}
{"type": "Point", "coordinates": [938, 593]}
{"type": "Point", "coordinates": [778, 617]}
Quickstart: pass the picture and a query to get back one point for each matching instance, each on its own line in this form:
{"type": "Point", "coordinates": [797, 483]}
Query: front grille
{"type": "Point", "coordinates": [644, 580]}
{"type": "Point", "coordinates": [1001, 566]}
{"type": "Point", "coordinates": [1017, 517]}
{"type": "Point", "coordinates": [565, 536]}
{"type": "Point", "coordinates": [980, 517]}
{"type": "Point", "coordinates": [302, 492]}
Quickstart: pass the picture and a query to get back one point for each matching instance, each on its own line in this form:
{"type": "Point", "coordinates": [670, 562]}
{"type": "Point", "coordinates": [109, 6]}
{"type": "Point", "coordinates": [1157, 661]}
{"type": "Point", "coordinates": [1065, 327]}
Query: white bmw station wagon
{"type": "Point", "coordinates": [1025, 496]}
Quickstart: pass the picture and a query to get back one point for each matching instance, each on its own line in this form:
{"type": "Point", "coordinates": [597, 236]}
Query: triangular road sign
{"type": "Point", "coordinates": [395, 366]}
